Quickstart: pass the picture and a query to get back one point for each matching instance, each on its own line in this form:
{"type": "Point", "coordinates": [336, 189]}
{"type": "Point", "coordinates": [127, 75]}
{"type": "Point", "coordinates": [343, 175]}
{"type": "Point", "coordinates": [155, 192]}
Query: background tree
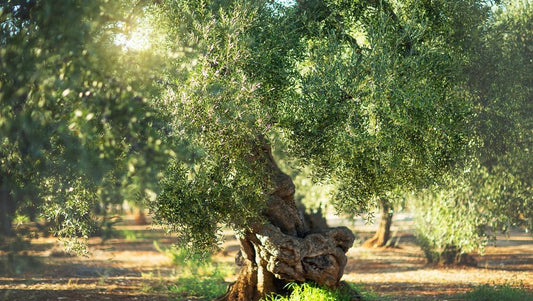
{"type": "Point", "coordinates": [378, 109]}
{"type": "Point", "coordinates": [494, 192]}
{"type": "Point", "coordinates": [75, 125]}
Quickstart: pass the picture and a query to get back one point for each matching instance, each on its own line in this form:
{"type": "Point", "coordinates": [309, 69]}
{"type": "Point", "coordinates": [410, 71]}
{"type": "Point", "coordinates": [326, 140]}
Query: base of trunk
{"type": "Point", "coordinates": [270, 259]}
{"type": "Point", "coordinates": [376, 242]}
{"type": "Point", "coordinates": [254, 281]}
{"type": "Point", "coordinates": [452, 256]}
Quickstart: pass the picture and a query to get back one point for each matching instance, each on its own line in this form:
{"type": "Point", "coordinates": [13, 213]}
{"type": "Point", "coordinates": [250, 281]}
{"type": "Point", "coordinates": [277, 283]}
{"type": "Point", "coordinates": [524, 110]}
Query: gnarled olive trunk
{"type": "Point", "coordinates": [382, 236]}
{"type": "Point", "coordinates": [283, 249]}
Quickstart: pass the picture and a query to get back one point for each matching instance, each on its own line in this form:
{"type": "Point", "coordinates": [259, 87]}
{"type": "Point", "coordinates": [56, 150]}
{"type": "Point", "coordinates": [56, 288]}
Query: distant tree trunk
{"type": "Point", "coordinates": [139, 217]}
{"type": "Point", "coordinates": [283, 249]}
{"type": "Point", "coordinates": [452, 255]}
{"type": "Point", "coordinates": [382, 236]}
{"type": "Point", "coordinates": [7, 212]}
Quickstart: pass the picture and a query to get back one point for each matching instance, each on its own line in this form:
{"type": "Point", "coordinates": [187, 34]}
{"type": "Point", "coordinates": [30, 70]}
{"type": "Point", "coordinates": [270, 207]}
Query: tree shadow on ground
{"type": "Point", "coordinates": [78, 294]}
{"type": "Point", "coordinates": [16, 266]}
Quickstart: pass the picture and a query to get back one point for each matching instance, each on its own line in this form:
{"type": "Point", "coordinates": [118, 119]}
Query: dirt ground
{"type": "Point", "coordinates": [129, 268]}
{"type": "Point", "coordinates": [402, 273]}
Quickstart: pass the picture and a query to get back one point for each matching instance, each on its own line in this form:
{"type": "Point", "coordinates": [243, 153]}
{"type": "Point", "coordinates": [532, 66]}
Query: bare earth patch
{"type": "Point", "coordinates": [133, 269]}
{"type": "Point", "coordinates": [402, 273]}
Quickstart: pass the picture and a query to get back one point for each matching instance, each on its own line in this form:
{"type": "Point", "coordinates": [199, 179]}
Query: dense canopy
{"type": "Point", "coordinates": [176, 103]}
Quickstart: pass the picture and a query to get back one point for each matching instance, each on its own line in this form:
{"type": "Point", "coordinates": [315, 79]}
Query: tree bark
{"type": "Point", "coordinates": [283, 249]}
{"type": "Point", "coordinates": [382, 236]}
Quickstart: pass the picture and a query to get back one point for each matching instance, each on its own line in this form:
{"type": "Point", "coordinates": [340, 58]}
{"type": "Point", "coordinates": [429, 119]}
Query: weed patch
{"type": "Point", "coordinates": [310, 291]}
{"type": "Point", "coordinates": [504, 292]}
{"type": "Point", "coordinates": [196, 276]}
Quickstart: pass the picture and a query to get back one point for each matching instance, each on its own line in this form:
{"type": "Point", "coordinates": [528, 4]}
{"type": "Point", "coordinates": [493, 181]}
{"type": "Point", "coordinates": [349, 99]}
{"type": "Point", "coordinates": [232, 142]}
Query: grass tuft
{"type": "Point", "coordinates": [504, 292]}
{"type": "Point", "coordinates": [206, 288]}
{"type": "Point", "coordinates": [311, 291]}
{"type": "Point", "coordinates": [196, 276]}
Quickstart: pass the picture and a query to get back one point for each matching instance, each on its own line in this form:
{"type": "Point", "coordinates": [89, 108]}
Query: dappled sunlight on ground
{"type": "Point", "coordinates": [131, 267]}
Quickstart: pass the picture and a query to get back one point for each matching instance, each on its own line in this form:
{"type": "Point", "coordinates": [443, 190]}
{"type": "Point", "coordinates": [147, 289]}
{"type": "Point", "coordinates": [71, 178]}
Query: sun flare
{"type": "Point", "coordinates": [138, 39]}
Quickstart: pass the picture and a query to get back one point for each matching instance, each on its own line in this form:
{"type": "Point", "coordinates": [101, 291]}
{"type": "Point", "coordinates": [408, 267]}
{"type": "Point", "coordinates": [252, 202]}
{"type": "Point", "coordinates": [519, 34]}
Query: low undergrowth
{"type": "Point", "coordinates": [311, 291]}
{"type": "Point", "coordinates": [195, 276]}
{"type": "Point", "coordinates": [505, 292]}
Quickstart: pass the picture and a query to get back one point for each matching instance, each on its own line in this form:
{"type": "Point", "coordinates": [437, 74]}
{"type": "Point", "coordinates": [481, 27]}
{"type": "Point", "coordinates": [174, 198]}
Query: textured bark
{"type": "Point", "coordinates": [382, 236]}
{"type": "Point", "coordinates": [284, 249]}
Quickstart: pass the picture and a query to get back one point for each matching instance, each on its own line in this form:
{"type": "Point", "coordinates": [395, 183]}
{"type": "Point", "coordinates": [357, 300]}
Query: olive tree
{"type": "Point", "coordinates": [365, 92]}
{"type": "Point", "coordinates": [493, 192]}
{"type": "Point", "coordinates": [76, 127]}
{"type": "Point", "coordinates": [380, 109]}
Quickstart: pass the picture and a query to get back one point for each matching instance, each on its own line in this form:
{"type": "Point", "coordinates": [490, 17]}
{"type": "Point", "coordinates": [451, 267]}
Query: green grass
{"type": "Point", "coordinates": [310, 291]}
{"type": "Point", "coordinates": [130, 234]}
{"type": "Point", "coordinates": [196, 276]}
{"type": "Point", "coordinates": [206, 288]}
{"type": "Point", "coordinates": [504, 292]}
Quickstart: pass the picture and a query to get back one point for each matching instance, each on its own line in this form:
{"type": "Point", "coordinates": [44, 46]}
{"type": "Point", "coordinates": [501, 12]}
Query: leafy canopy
{"type": "Point", "coordinates": [76, 123]}
{"type": "Point", "coordinates": [372, 94]}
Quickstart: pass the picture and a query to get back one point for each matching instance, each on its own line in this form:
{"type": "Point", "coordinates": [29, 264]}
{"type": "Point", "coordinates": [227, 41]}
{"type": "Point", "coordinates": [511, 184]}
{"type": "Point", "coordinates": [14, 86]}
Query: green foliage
{"type": "Point", "coordinates": [448, 217]}
{"type": "Point", "coordinates": [467, 210]}
{"type": "Point", "coordinates": [378, 103]}
{"type": "Point", "coordinates": [308, 291]}
{"type": "Point", "coordinates": [187, 262]}
{"type": "Point", "coordinates": [502, 80]}
{"type": "Point", "coordinates": [504, 292]}
{"type": "Point", "coordinates": [494, 191]}
{"type": "Point", "coordinates": [309, 190]}
{"type": "Point", "coordinates": [221, 108]}
{"type": "Point", "coordinates": [377, 97]}
{"type": "Point", "coordinates": [77, 127]}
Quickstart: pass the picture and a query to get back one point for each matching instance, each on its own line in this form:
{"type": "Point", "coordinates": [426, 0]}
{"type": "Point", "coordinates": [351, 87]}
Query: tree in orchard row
{"type": "Point", "coordinates": [402, 124]}
{"type": "Point", "coordinates": [494, 192]}
{"type": "Point", "coordinates": [444, 30]}
{"type": "Point", "coordinates": [76, 129]}
{"type": "Point", "coordinates": [363, 91]}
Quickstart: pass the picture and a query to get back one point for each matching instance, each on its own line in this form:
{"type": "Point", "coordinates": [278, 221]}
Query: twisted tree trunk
{"type": "Point", "coordinates": [283, 250]}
